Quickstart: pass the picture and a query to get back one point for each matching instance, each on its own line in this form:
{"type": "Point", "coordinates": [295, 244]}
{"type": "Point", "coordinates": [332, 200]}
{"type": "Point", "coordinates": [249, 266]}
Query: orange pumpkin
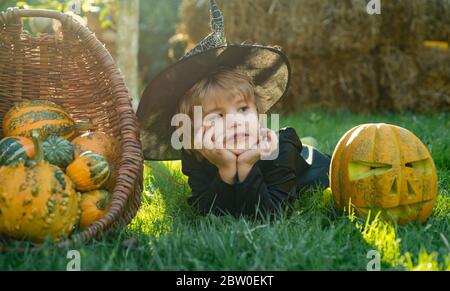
{"type": "Point", "coordinates": [94, 205]}
{"type": "Point", "coordinates": [44, 117]}
{"type": "Point", "coordinates": [382, 167]}
{"type": "Point", "coordinates": [96, 142]}
{"type": "Point", "coordinates": [89, 172]}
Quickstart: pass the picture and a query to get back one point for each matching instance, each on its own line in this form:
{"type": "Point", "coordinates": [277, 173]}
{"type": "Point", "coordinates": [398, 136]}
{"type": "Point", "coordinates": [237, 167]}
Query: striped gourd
{"type": "Point", "coordinates": [46, 118]}
{"type": "Point", "coordinates": [96, 142]}
{"type": "Point", "coordinates": [15, 149]}
{"type": "Point", "coordinates": [89, 172]}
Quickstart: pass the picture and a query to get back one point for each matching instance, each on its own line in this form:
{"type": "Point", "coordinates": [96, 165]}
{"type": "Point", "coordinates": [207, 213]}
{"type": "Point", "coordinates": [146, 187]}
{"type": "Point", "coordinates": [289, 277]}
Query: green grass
{"type": "Point", "coordinates": [167, 235]}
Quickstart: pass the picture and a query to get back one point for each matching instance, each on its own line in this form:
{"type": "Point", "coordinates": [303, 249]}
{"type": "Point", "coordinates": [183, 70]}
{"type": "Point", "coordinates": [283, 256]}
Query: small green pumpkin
{"type": "Point", "coordinates": [15, 149]}
{"type": "Point", "coordinates": [58, 151]}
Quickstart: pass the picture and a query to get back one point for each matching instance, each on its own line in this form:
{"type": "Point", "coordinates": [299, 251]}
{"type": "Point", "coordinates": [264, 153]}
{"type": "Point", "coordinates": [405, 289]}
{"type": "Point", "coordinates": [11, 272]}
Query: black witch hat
{"type": "Point", "coordinates": [267, 66]}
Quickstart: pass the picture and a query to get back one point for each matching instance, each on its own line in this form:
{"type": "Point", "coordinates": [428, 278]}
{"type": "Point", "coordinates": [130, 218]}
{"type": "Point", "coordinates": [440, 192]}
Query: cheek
{"type": "Point", "coordinates": [252, 116]}
{"type": "Point", "coordinates": [219, 123]}
{"type": "Point", "coordinates": [216, 123]}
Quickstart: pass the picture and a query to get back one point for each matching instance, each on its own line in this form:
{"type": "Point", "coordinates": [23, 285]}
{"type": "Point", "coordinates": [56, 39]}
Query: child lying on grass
{"type": "Point", "coordinates": [249, 174]}
{"type": "Point", "coordinates": [234, 163]}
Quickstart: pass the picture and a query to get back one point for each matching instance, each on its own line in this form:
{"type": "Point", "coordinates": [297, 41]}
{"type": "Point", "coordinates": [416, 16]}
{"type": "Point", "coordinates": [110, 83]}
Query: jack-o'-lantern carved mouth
{"type": "Point", "coordinates": [396, 213]}
{"type": "Point", "coordinates": [399, 208]}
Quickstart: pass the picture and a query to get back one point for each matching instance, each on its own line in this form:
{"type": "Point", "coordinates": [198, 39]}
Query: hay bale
{"type": "Point", "coordinates": [328, 27]}
{"type": "Point", "coordinates": [341, 56]}
{"type": "Point", "coordinates": [347, 81]}
{"type": "Point", "coordinates": [433, 83]}
{"type": "Point", "coordinates": [398, 73]}
{"type": "Point", "coordinates": [417, 81]}
{"type": "Point", "coordinates": [318, 27]}
{"type": "Point", "coordinates": [192, 20]}
{"type": "Point", "coordinates": [301, 27]}
{"type": "Point", "coordinates": [402, 24]}
{"type": "Point", "coordinates": [438, 20]}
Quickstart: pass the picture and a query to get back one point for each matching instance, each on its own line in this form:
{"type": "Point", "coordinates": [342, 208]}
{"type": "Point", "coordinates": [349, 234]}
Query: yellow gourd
{"type": "Point", "coordinates": [37, 200]}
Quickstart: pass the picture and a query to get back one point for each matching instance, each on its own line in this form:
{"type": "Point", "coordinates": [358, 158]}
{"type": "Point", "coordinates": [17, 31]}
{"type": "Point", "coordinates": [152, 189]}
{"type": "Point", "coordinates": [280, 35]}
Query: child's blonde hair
{"type": "Point", "coordinates": [232, 82]}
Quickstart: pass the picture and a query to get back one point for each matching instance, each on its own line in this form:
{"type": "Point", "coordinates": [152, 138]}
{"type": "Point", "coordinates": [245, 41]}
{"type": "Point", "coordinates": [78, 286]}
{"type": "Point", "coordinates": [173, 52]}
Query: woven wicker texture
{"type": "Point", "coordinates": [73, 69]}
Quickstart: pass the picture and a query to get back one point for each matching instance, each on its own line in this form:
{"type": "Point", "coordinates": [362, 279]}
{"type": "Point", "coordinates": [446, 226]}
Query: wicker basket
{"type": "Point", "coordinates": [73, 69]}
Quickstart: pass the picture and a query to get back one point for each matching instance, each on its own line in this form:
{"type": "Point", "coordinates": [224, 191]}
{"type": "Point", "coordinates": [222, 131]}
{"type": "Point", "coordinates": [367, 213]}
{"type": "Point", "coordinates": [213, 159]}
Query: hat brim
{"type": "Point", "coordinates": [267, 66]}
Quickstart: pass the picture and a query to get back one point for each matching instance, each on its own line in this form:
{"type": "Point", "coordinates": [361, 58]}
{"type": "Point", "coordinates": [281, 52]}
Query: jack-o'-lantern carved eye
{"type": "Point", "coordinates": [421, 165]}
{"type": "Point", "coordinates": [358, 170]}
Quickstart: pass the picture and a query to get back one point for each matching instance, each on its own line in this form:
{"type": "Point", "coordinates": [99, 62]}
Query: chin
{"type": "Point", "coordinates": [242, 145]}
{"type": "Point", "coordinates": [237, 152]}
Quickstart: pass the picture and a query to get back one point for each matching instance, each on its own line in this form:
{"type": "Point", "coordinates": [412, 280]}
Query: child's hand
{"type": "Point", "coordinates": [267, 149]}
{"type": "Point", "coordinates": [223, 159]}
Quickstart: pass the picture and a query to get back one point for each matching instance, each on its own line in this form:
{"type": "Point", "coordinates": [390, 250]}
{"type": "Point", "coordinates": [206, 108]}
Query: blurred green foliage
{"type": "Point", "coordinates": [4, 4]}
{"type": "Point", "coordinates": [102, 7]}
{"type": "Point", "coordinates": [158, 20]}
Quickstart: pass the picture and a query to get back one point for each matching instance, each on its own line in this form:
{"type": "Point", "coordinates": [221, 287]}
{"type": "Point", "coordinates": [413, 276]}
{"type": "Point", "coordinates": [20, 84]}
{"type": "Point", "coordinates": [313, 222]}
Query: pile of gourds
{"type": "Point", "coordinates": [53, 181]}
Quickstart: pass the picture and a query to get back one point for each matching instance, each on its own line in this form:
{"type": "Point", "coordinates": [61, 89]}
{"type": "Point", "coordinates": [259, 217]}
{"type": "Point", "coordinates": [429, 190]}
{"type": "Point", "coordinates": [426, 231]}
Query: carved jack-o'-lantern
{"type": "Point", "coordinates": [384, 167]}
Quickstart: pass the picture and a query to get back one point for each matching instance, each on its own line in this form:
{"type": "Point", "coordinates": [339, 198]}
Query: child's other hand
{"type": "Point", "coordinates": [269, 144]}
{"type": "Point", "coordinates": [267, 149]}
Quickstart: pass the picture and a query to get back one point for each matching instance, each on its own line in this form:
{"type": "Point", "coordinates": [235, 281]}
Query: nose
{"type": "Point", "coordinates": [235, 119]}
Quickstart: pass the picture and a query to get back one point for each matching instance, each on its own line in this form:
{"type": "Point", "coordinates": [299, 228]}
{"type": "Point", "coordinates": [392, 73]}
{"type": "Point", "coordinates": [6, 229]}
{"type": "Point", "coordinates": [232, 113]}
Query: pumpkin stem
{"type": "Point", "coordinates": [103, 203]}
{"type": "Point", "coordinates": [38, 149]}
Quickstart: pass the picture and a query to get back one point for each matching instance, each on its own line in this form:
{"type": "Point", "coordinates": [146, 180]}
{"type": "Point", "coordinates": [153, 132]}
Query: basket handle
{"type": "Point", "coordinates": [39, 13]}
{"type": "Point", "coordinates": [13, 16]}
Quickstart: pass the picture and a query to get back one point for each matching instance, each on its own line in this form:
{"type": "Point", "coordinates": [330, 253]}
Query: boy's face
{"type": "Point", "coordinates": [236, 123]}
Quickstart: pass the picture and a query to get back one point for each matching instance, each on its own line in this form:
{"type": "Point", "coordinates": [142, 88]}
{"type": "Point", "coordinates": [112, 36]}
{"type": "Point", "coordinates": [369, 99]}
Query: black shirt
{"type": "Point", "coordinates": [267, 186]}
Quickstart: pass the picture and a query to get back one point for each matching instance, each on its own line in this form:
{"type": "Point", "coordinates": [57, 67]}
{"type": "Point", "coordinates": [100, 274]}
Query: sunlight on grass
{"type": "Point", "coordinates": [174, 168]}
{"type": "Point", "coordinates": [442, 208]}
{"type": "Point", "coordinates": [152, 218]}
{"type": "Point", "coordinates": [426, 262]}
{"type": "Point", "coordinates": [165, 190]}
{"type": "Point", "coordinates": [382, 235]}
{"type": "Point", "coordinates": [326, 200]}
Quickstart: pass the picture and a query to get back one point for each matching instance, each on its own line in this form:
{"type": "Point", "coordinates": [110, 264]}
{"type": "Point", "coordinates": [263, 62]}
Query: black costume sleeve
{"type": "Point", "coordinates": [267, 186]}
{"type": "Point", "coordinates": [209, 192]}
